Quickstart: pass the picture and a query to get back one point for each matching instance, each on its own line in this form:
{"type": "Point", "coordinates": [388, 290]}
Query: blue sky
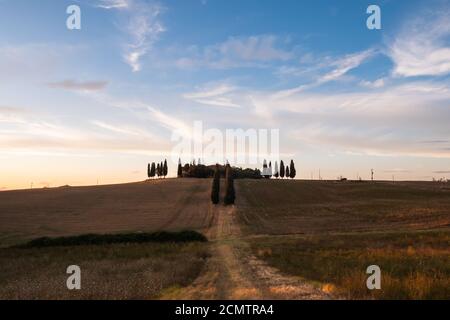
{"type": "Point", "coordinates": [101, 102]}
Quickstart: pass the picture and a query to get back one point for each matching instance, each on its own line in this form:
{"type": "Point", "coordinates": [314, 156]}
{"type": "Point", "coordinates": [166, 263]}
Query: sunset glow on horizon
{"type": "Point", "coordinates": [96, 105]}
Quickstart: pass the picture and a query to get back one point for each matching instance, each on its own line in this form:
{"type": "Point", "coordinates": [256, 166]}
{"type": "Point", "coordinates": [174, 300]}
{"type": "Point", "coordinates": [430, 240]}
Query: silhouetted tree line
{"type": "Point", "coordinates": [157, 170]}
{"type": "Point", "coordinates": [193, 170]}
{"type": "Point", "coordinates": [282, 172]}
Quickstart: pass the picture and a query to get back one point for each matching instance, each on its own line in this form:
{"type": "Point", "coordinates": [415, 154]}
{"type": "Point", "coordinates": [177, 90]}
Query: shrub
{"type": "Point", "coordinates": [101, 239]}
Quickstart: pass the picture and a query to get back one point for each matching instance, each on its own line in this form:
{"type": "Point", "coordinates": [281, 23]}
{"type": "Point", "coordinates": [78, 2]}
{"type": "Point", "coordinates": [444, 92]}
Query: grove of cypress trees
{"type": "Point", "coordinates": [292, 171]}
{"type": "Point", "coordinates": [230, 194]}
{"type": "Point", "coordinates": [165, 168]}
{"type": "Point", "coordinates": [215, 189]}
{"type": "Point", "coordinates": [282, 169]}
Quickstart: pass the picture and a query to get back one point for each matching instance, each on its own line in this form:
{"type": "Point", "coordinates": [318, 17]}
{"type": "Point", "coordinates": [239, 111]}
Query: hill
{"type": "Point", "coordinates": [166, 204]}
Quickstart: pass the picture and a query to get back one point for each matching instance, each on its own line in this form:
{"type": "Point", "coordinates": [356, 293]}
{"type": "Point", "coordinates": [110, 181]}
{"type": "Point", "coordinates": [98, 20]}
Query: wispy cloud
{"type": "Point", "coordinates": [235, 52]}
{"type": "Point", "coordinates": [79, 86]}
{"type": "Point", "coordinates": [122, 129]}
{"type": "Point", "coordinates": [339, 67]}
{"type": "Point", "coordinates": [394, 120]}
{"type": "Point", "coordinates": [144, 29]}
{"type": "Point", "coordinates": [254, 48]}
{"type": "Point", "coordinates": [210, 92]}
{"type": "Point", "coordinates": [422, 49]}
{"type": "Point", "coordinates": [169, 122]}
{"type": "Point", "coordinates": [218, 102]}
{"type": "Point", "coordinates": [47, 137]}
{"type": "Point", "coordinates": [141, 110]}
{"type": "Point", "coordinates": [363, 141]}
{"type": "Point", "coordinates": [142, 26]}
{"type": "Point", "coordinates": [345, 64]}
{"type": "Point", "coordinates": [213, 95]}
{"type": "Point", "coordinates": [405, 98]}
{"type": "Point", "coordinates": [379, 83]}
{"type": "Point", "coordinates": [113, 4]}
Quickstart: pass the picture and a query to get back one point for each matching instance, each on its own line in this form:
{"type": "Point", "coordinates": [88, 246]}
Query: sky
{"type": "Point", "coordinates": [95, 105]}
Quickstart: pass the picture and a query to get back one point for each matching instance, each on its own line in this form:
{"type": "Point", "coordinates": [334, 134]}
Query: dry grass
{"type": "Point", "coordinates": [414, 265]}
{"type": "Point", "coordinates": [323, 231]}
{"type": "Point", "coordinates": [331, 232]}
{"type": "Point", "coordinates": [120, 271]}
{"type": "Point", "coordinates": [109, 271]}
{"type": "Point", "coordinates": [292, 207]}
{"type": "Point", "coordinates": [168, 204]}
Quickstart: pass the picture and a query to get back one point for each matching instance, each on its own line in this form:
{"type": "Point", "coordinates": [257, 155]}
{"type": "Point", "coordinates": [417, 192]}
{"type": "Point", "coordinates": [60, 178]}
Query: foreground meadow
{"type": "Point", "coordinates": [330, 232]}
{"type": "Point", "coordinates": [114, 271]}
{"type": "Point", "coordinates": [413, 265]}
{"type": "Point", "coordinates": [128, 270]}
{"type": "Point", "coordinates": [282, 240]}
{"type": "Point", "coordinates": [165, 204]}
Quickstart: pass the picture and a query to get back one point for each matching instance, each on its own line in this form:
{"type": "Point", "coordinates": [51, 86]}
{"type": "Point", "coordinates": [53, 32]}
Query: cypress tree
{"type": "Point", "coordinates": [287, 171]}
{"type": "Point", "coordinates": [149, 171]}
{"type": "Point", "coordinates": [292, 171]}
{"type": "Point", "coordinates": [265, 170]}
{"type": "Point", "coordinates": [153, 170]}
{"type": "Point", "coordinates": [165, 168]}
{"type": "Point", "coordinates": [270, 169]}
{"type": "Point", "coordinates": [158, 170]}
{"type": "Point", "coordinates": [215, 189]}
{"type": "Point", "coordinates": [277, 172]}
{"type": "Point", "coordinates": [230, 194]}
{"type": "Point", "coordinates": [180, 169]}
{"type": "Point", "coordinates": [282, 169]}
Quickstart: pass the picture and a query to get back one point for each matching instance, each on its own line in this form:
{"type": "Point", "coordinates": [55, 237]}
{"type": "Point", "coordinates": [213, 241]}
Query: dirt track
{"type": "Point", "coordinates": [232, 273]}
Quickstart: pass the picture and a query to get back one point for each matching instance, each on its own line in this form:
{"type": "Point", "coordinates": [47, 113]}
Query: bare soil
{"type": "Point", "coordinates": [166, 204]}
{"type": "Point", "coordinates": [283, 207]}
